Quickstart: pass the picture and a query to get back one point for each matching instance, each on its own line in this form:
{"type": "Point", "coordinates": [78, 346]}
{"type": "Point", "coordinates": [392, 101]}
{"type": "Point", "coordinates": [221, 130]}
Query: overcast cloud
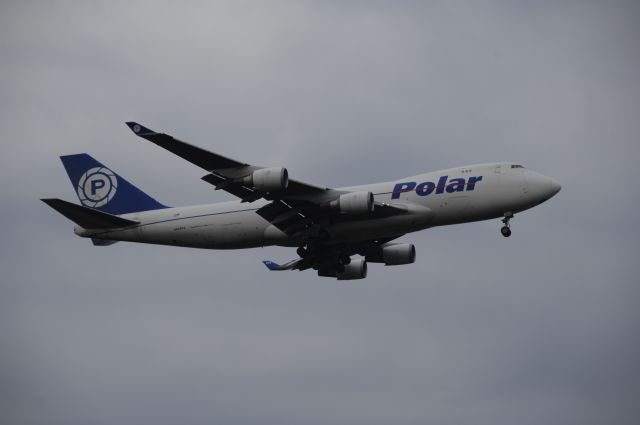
{"type": "Point", "coordinates": [540, 328]}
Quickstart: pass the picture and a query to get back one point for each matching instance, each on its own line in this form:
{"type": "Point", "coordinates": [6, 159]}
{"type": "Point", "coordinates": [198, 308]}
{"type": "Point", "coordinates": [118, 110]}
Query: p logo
{"type": "Point", "coordinates": [97, 187]}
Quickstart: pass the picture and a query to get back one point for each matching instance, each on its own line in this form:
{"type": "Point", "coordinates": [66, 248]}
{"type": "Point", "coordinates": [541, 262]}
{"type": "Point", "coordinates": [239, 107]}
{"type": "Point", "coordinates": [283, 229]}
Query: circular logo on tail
{"type": "Point", "coordinates": [97, 187]}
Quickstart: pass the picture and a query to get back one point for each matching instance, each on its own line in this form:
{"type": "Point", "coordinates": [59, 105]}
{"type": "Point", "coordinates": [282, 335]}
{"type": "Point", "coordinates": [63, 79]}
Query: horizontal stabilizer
{"type": "Point", "coordinates": [87, 217]}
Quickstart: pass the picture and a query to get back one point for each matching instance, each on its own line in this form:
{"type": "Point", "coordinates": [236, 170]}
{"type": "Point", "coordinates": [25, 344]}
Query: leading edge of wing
{"type": "Point", "coordinates": [221, 167]}
{"type": "Point", "coordinates": [201, 157]}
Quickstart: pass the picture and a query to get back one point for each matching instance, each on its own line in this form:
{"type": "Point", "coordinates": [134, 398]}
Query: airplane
{"type": "Point", "coordinates": [328, 226]}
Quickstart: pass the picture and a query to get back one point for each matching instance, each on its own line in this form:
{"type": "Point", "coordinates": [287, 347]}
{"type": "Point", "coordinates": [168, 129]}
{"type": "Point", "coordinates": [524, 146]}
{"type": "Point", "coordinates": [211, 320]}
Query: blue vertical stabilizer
{"type": "Point", "coordinates": [100, 188]}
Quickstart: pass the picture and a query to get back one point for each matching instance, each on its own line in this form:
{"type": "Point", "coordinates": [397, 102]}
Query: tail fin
{"type": "Point", "coordinates": [100, 188]}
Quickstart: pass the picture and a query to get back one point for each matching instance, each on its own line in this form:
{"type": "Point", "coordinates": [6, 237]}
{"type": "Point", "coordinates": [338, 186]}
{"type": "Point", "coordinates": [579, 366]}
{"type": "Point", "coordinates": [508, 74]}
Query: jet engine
{"type": "Point", "coordinates": [268, 179]}
{"type": "Point", "coordinates": [356, 269]}
{"type": "Point", "coordinates": [394, 254]}
{"type": "Point", "coordinates": [354, 203]}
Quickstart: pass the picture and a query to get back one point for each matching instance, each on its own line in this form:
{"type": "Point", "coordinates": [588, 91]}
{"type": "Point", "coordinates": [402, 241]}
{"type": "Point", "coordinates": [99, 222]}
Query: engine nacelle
{"type": "Point", "coordinates": [268, 179]}
{"type": "Point", "coordinates": [394, 254]}
{"type": "Point", "coordinates": [354, 203]}
{"type": "Point", "coordinates": [356, 269]}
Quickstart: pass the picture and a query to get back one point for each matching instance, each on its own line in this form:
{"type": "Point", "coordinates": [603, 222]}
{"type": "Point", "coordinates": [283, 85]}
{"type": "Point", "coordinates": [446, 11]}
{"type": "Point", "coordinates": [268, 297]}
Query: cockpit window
{"type": "Point", "coordinates": [517, 166]}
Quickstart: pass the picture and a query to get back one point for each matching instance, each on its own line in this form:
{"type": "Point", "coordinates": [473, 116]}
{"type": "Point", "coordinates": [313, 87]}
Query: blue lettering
{"type": "Point", "coordinates": [442, 182]}
{"type": "Point", "coordinates": [426, 188]}
{"type": "Point", "coordinates": [455, 185]}
{"type": "Point", "coordinates": [402, 187]}
{"type": "Point", "coordinates": [471, 184]}
{"type": "Point", "coordinates": [95, 185]}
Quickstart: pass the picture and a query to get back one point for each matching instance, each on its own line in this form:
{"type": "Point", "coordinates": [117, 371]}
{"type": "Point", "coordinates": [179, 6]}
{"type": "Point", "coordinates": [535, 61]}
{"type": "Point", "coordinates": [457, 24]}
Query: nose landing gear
{"type": "Point", "coordinates": [506, 229]}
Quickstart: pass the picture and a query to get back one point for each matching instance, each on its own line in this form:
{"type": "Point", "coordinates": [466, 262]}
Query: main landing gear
{"type": "Point", "coordinates": [506, 229]}
{"type": "Point", "coordinates": [317, 255]}
{"type": "Point", "coordinates": [313, 245]}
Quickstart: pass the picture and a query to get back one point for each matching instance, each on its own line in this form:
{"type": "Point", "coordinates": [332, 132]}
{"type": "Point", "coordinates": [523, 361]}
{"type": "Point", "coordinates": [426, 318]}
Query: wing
{"type": "Point", "coordinates": [298, 210]}
{"type": "Point", "coordinates": [327, 255]}
{"type": "Point", "coordinates": [297, 217]}
{"type": "Point", "coordinates": [226, 173]}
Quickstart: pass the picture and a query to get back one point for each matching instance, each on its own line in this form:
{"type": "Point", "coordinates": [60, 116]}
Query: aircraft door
{"type": "Point", "coordinates": [517, 176]}
{"type": "Point", "coordinates": [523, 182]}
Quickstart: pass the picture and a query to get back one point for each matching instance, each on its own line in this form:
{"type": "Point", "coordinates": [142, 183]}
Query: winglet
{"type": "Point", "coordinates": [291, 265]}
{"type": "Point", "coordinates": [271, 265]}
{"type": "Point", "coordinates": [140, 130]}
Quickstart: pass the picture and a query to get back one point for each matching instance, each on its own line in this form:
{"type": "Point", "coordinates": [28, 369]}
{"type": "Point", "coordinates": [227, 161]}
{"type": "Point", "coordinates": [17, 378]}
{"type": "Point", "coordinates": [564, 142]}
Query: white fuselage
{"type": "Point", "coordinates": [455, 195]}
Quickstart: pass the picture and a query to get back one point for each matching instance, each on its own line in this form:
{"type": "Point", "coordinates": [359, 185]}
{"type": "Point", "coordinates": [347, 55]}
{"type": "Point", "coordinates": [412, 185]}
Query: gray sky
{"type": "Point", "coordinates": [540, 328]}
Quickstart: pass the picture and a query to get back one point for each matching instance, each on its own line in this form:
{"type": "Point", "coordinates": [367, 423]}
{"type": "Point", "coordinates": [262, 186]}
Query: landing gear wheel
{"type": "Point", "coordinates": [506, 229]}
{"type": "Point", "coordinates": [339, 268]}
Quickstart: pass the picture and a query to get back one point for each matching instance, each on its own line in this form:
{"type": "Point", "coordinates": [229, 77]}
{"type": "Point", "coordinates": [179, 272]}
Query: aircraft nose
{"type": "Point", "coordinates": [541, 187]}
{"type": "Point", "coordinates": [555, 186]}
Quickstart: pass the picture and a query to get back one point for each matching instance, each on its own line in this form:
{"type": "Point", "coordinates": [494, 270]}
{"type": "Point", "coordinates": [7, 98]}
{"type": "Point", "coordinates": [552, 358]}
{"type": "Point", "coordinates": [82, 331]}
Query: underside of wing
{"type": "Point", "coordinates": [298, 218]}
{"type": "Point", "coordinates": [334, 259]}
